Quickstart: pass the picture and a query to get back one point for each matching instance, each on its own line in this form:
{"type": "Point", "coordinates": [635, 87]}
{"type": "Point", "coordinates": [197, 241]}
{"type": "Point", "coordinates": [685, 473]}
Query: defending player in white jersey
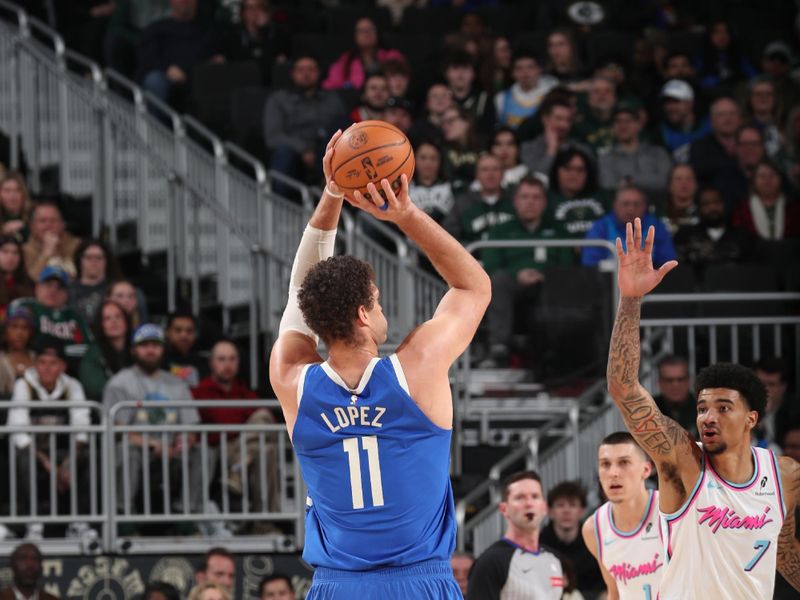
{"type": "Point", "coordinates": [728, 509]}
{"type": "Point", "coordinates": [624, 534]}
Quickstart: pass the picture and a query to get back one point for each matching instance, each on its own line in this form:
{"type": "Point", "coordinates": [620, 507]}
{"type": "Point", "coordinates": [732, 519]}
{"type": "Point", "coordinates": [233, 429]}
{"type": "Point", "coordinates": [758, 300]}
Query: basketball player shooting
{"type": "Point", "coordinates": [727, 509]}
{"type": "Point", "coordinates": [372, 435]}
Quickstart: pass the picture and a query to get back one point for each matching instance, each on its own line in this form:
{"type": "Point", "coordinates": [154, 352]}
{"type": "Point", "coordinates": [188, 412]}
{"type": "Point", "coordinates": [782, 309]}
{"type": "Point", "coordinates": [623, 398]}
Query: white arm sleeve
{"type": "Point", "coordinates": [315, 245]}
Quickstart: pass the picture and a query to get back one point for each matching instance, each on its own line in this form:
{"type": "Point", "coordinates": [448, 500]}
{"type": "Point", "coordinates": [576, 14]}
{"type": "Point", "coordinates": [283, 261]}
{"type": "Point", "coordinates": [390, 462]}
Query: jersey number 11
{"type": "Point", "coordinates": [369, 443]}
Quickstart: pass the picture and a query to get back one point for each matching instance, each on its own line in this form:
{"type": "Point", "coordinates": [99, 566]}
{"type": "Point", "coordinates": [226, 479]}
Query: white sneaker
{"type": "Point", "coordinates": [34, 532]}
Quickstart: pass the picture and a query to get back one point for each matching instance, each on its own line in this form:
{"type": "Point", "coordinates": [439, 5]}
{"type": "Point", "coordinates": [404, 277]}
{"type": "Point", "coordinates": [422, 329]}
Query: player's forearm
{"type": "Point", "coordinates": [456, 266]}
{"type": "Point", "coordinates": [326, 215]}
{"type": "Point", "coordinates": [622, 372]}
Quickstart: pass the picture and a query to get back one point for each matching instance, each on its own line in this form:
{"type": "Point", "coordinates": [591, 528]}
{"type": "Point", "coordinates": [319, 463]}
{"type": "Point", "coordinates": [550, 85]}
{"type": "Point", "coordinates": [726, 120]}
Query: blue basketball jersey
{"type": "Point", "coordinates": [377, 471]}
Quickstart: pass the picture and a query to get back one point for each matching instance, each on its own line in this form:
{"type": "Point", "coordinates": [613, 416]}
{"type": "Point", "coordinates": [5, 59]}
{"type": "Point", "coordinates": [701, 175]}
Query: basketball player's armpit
{"type": "Point", "coordinates": [789, 552]}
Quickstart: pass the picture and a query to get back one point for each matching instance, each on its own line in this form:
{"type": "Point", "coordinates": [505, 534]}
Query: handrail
{"type": "Point", "coordinates": [721, 297]}
{"type": "Point", "coordinates": [22, 16]}
{"type": "Point", "coordinates": [721, 321]}
{"type": "Point", "coordinates": [205, 132]}
{"type": "Point", "coordinates": [58, 42]}
{"type": "Point", "coordinates": [136, 92]}
{"type": "Point", "coordinates": [259, 171]}
{"type": "Point", "coordinates": [305, 191]}
{"type": "Point", "coordinates": [93, 67]}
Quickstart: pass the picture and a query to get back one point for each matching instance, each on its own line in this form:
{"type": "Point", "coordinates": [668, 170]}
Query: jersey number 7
{"type": "Point", "coordinates": [370, 445]}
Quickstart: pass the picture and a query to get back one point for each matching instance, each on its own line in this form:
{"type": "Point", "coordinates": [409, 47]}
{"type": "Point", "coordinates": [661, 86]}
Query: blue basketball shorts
{"type": "Point", "coordinates": [429, 580]}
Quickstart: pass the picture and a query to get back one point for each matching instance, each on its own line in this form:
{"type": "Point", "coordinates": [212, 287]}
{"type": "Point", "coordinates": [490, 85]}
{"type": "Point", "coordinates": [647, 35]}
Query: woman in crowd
{"type": "Point", "coordinates": [110, 352]}
{"type": "Point", "coordinates": [680, 208]}
{"type": "Point", "coordinates": [15, 349]}
{"type": "Point", "coordinates": [563, 61]}
{"type": "Point", "coordinates": [461, 147]}
{"type": "Point", "coordinates": [496, 72]}
{"type": "Point", "coordinates": [722, 62]}
{"type": "Point", "coordinates": [429, 127]}
{"type": "Point", "coordinates": [429, 190]}
{"type": "Point", "coordinates": [95, 266]}
{"type": "Point", "coordinates": [15, 206]}
{"type": "Point", "coordinates": [574, 201]}
{"type": "Point", "coordinates": [505, 146]}
{"type": "Point", "coordinates": [131, 299]}
{"type": "Point", "coordinates": [209, 591]}
{"type": "Point", "coordinates": [15, 281]}
{"type": "Point", "coordinates": [366, 55]}
{"type": "Point", "coordinates": [768, 213]}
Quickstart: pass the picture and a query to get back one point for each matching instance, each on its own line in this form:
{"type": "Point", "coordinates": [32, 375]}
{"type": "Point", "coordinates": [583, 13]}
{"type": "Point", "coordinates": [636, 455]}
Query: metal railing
{"type": "Point", "coordinates": [117, 480]}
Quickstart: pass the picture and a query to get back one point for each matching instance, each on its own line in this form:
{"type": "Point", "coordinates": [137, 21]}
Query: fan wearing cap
{"type": "Point", "coordinates": [16, 354]}
{"type": "Point", "coordinates": [47, 381]}
{"type": "Point", "coordinates": [53, 317]}
{"type": "Point", "coordinates": [400, 113]}
{"type": "Point", "coordinates": [147, 381]}
{"type": "Point", "coordinates": [680, 126]}
{"type": "Point", "coordinates": [630, 158]}
{"type": "Point", "coordinates": [776, 63]}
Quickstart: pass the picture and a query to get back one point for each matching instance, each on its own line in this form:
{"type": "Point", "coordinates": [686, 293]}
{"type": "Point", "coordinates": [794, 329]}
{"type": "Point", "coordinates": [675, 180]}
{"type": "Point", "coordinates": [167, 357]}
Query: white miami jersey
{"type": "Point", "coordinates": [635, 559]}
{"type": "Point", "coordinates": [722, 543]}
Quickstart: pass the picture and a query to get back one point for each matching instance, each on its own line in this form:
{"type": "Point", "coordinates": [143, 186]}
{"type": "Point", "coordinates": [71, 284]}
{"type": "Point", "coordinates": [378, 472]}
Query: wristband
{"type": "Point", "coordinates": [332, 195]}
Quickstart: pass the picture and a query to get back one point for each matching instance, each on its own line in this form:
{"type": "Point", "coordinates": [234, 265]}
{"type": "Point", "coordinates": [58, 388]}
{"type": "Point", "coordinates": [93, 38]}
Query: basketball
{"type": "Point", "coordinates": [368, 152]}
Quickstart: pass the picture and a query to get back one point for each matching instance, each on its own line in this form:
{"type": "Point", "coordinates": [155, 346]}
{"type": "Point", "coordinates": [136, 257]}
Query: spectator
{"type": "Point", "coordinates": [713, 157]}
{"type": "Point", "coordinates": [429, 128]}
{"type": "Point", "coordinates": [276, 587]}
{"type": "Point", "coordinates": [111, 351]}
{"type": "Point", "coordinates": [678, 65]}
{"type": "Point", "coordinates": [95, 267]}
{"type": "Point", "coordinates": [145, 381]}
{"type": "Point", "coordinates": [680, 127]}
{"type": "Point", "coordinates": [16, 355]}
{"type": "Point", "coordinates": [129, 19]}
{"type": "Point", "coordinates": [461, 147]}
{"type": "Point", "coordinates": [594, 124]}
{"type": "Point", "coordinates": [374, 95]}
{"type": "Point", "coordinates": [398, 76]}
{"type": "Point", "coordinates": [557, 118]}
{"type": "Point", "coordinates": [26, 570]}
{"type": "Point", "coordinates": [499, 572]}
{"type": "Point", "coordinates": [681, 208]}
{"type": "Point", "coordinates": [782, 409]}
{"type": "Point", "coordinates": [791, 441]}
{"type": "Point", "coordinates": [131, 299]}
{"type": "Point", "coordinates": [217, 568]}
{"type": "Point", "coordinates": [768, 213]}
{"type": "Point", "coordinates": [517, 273]}
{"type": "Point", "coordinates": [160, 590]}
{"type": "Point", "coordinates": [429, 190]}
{"type": "Point", "coordinates": [563, 61]}
{"type": "Point", "coordinates": [459, 72]}
{"type": "Point", "coordinates": [351, 68]}
{"type": "Point", "coordinates": [209, 591]}
{"type": "Point", "coordinates": [722, 63]}
{"type": "Point", "coordinates": [15, 281]}
{"type": "Point", "coordinates": [498, 72]}
{"type": "Point", "coordinates": [630, 158]}
{"type": "Point", "coordinates": [750, 151]}
{"type": "Point", "coordinates": [765, 113]}
{"type": "Point", "coordinates": [675, 398]}
{"type": "Point", "coordinates": [15, 206]}
{"type": "Point", "coordinates": [574, 202]}
{"type": "Point", "coordinates": [180, 356]}
{"type": "Point", "coordinates": [222, 384]}
{"type": "Point", "coordinates": [399, 112]}
{"type": "Point", "coordinates": [566, 504]}
{"type": "Point", "coordinates": [47, 381]}
{"type": "Point", "coordinates": [505, 146]}
{"type": "Point", "coordinates": [630, 202]}
{"type": "Point", "coordinates": [172, 47]}
{"type": "Point", "coordinates": [792, 147]}
{"type": "Point", "coordinates": [52, 316]}
{"type": "Point", "coordinates": [296, 122]}
{"type": "Point", "coordinates": [475, 212]}
{"type": "Point", "coordinates": [461, 563]}
{"type": "Point", "coordinates": [521, 100]}
{"type": "Point", "coordinates": [712, 240]}
{"type": "Point", "coordinates": [83, 25]}
{"type": "Point", "coordinates": [258, 38]}
{"type": "Point", "coordinates": [776, 63]}
{"type": "Point", "coordinates": [49, 243]}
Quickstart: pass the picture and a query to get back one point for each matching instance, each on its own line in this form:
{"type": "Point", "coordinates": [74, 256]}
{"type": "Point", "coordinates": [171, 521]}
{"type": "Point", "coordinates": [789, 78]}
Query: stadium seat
{"type": "Point", "coordinates": [325, 48]}
{"type": "Point", "coordinates": [341, 20]}
{"type": "Point", "coordinates": [533, 40]}
{"type": "Point", "coordinates": [212, 86]}
{"type": "Point", "coordinates": [681, 280]}
{"type": "Point", "coordinates": [247, 113]}
{"type": "Point", "coordinates": [439, 20]}
{"type": "Point", "coordinates": [599, 45]}
{"type": "Point", "coordinates": [740, 278]}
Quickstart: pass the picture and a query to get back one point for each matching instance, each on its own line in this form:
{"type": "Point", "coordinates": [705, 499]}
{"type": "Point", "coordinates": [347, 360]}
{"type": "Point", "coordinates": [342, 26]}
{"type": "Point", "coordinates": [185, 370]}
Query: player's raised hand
{"type": "Point", "coordinates": [326, 164]}
{"type": "Point", "coordinates": [637, 276]}
{"type": "Point", "coordinates": [385, 204]}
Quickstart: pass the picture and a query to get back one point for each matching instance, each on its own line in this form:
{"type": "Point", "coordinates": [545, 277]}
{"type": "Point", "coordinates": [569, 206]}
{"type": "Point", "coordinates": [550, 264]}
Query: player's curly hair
{"type": "Point", "coordinates": [735, 377]}
{"type": "Point", "coordinates": [331, 294]}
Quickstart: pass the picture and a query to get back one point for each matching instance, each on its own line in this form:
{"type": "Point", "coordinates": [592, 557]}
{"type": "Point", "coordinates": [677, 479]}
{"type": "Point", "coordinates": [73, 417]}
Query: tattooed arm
{"type": "Point", "coordinates": [788, 545]}
{"type": "Point", "coordinates": [666, 442]}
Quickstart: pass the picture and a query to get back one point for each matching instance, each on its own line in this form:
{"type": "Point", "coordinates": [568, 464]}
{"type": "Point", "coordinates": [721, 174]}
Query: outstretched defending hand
{"type": "Point", "coordinates": [395, 208]}
{"type": "Point", "coordinates": [637, 276]}
{"type": "Point", "coordinates": [333, 188]}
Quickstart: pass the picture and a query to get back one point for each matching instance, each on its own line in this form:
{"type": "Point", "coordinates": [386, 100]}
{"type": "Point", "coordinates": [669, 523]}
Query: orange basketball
{"type": "Point", "coordinates": [368, 152]}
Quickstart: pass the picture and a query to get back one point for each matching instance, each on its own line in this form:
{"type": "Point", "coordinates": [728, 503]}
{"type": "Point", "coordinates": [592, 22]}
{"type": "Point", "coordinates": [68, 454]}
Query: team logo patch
{"type": "Point", "coordinates": [369, 168]}
{"type": "Point", "coordinates": [358, 139]}
{"type": "Point", "coordinates": [556, 582]}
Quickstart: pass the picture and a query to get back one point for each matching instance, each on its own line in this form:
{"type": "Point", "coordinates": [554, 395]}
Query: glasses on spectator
{"type": "Point", "coordinates": [680, 379]}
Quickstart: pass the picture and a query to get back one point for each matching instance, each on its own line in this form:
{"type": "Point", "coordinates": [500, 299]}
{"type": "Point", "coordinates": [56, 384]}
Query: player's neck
{"type": "Point", "coordinates": [529, 540]}
{"type": "Point", "coordinates": [351, 362]}
{"type": "Point", "coordinates": [735, 464]}
{"type": "Point", "coordinates": [629, 513]}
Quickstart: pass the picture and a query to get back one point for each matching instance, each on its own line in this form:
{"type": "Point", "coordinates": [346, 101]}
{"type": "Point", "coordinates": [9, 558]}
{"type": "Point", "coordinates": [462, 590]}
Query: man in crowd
{"type": "Point", "coordinates": [675, 399]}
{"type": "Point", "coordinates": [557, 118]}
{"type": "Point", "coordinates": [26, 570]}
{"type": "Point", "coordinates": [521, 101]}
{"type": "Point", "coordinates": [217, 567]}
{"type": "Point", "coordinates": [459, 73]}
{"type": "Point", "coordinates": [680, 126]}
{"type": "Point", "coordinates": [181, 359]}
{"type": "Point", "coordinates": [566, 504]}
{"type": "Point", "coordinates": [594, 124]}
{"type": "Point", "coordinates": [258, 38]}
{"type": "Point", "coordinates": [518, 566]}
{"type": "Point", "coordinates": [630, 158]}
{"type": "Point", "coordinates": [782, 409]}
{"type": "Point", "coordinates": [50, 243]}
{"type": "Point", "coordinates": [296, 122]}
{"type": "Point", "coordinates": [276, 587]}
{"type": "Point", "coordinates": [374, 96]}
